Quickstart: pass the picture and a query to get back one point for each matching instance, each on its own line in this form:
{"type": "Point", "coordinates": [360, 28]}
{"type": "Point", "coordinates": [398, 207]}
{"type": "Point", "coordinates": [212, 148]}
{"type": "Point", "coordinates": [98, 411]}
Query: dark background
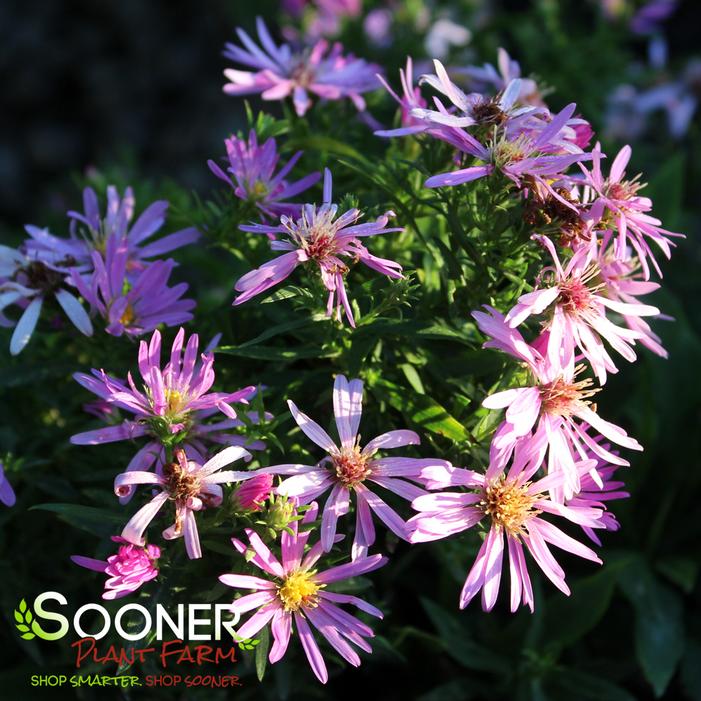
{"type": "Point", "coordinates": [138, 84]}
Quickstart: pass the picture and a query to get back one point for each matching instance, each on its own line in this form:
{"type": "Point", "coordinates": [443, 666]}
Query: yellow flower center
{"type": "Point", "coordinates": [509, 505]}
{"type": "Point", "coordinates": [299, 590]}
{"type": "Point", "coordinates": [259, 190]}
{"type": "Point", "coordinates": [175, 401]}
{"type": "Point", "coordinates": [352, 467]}
{"type": "Point", "coordinates": [127, 317]}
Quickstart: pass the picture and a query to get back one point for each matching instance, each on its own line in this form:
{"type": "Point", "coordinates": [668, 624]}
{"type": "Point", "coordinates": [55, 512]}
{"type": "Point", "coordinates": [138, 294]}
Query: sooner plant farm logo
{"type": "Point", "coordinates": [169, 634]}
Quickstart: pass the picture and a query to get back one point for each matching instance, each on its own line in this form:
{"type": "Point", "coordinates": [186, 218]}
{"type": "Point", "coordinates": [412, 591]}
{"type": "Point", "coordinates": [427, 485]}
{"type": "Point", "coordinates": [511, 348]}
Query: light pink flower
{"type": "Point", "coordinates": [476, 109]}
{"type": "Point", "coordinates": [623, 284]}
{"type": "Point", "coordinates": [515, 508]}
{"type": "Point", "coordinates": [579, 299]}
{"type": "Point", "coordinates": [189, 485]}
{"type": "Point", "coordinates": [127, 571]}
{"type": "Point", "coordinates": [349, 469]}
{"type": "Point", "coordinates": [279, 71]}
{"type": "Point", "coordinates": [318, 236]}
{"type": "Point", "coordinates": [551, 413]}
{"type": "Point", "coordinates": [409, 100]}
{"type": "Point", "coordinates": [295, 592]}
{"type": "Point", "coordinates": [626, 210]}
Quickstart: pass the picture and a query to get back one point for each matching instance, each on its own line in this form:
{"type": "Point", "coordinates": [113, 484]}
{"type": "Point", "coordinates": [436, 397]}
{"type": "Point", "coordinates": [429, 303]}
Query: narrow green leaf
{"type": "Point", "coordinates": [262, 653]}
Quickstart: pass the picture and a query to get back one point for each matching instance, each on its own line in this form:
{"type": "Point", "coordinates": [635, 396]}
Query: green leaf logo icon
{"type": "Point", "coordinates": [23, 620]}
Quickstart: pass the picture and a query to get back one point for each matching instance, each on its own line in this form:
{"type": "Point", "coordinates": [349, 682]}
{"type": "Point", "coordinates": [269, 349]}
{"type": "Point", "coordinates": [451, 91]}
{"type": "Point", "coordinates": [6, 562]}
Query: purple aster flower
{"type": "Point", "coordinates": [349, 469]}
{"type": "Point", "coordinates": [626, 210]}
{"type": "Point", "coordinates": [7, 494]}
{"type": "Point", "coordinates": [254, 178]}
{"type": "Point", "coordinates": [280, 71]}
{"type": "Point", "coordinates": [132, 304]}
{"type": "Point", "coordinates": [90, 231]}
{"type": "Point", "coordinates": [535, 158]}
{"type": "Point", "coordinates": [189, 485]}
{"type": "Point", "coordinates": [476, 109]}
{"type": "Point", "coordinates": [28, 283]}
{"type": "Point", "coordinates": [127, 571]}
{"type": "Point", "coordinates": [318, 236]}
{"type": "Point", "coordinates": [175, 403]}
{"type": "Point", "coordinates": [500, 76]}
{"type": "Point", "coordinates": [295, 592]}
{"type": "Point", "coordinates": [517, 512]}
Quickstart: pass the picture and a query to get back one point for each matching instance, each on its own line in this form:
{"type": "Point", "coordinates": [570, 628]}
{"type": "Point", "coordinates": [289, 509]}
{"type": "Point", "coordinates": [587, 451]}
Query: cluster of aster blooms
{"type": "Point", "coordinates": [106, 260]}
{"type": "Point", "coordinates": [552, 460]}
{"type": "Point", "coordinates": [552, 454]}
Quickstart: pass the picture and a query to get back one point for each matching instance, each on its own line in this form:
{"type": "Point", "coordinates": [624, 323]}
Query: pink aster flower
{"type": "Point", "coordinates": [280, 71]}
{"type": "Point", "coordinates": [553, 411]}
{"type": "Point", "coordinates": [191, 487]}
{"type": "Point", "coordinates": [349, 469]}
{"type": "Point", "coordinates": [623, 284]}
{"type": "Point", "coordinates": [597, 487]}
{"type": "Point", "coordinates": [518, 513]}
{"type": "Point", "coordinates": [170, 396]}
{"type": "Point", "coordinates": [409, 100]}
{"type": "Point", "coordinates": [318, 236]}
{"type": "Point", "coordinates": [90, 231]}
{"type": "Point", "coordinates": [579, 299]}
{"type": "Point", "coordinates": [295, 592]}
{"type": "Point", "coordinates": [132, 304]}
{"type": "Point", "coordinates": [251, 174]}
{"type": "Point", "coordinates": [7, 494]}
{"type": "Point", "coordinates": [175, 402]}
{"type": "Point", "coordinates": [254, 492]}
{"type": "Point", "coordinates": [127, 571]}
{"type": "Point", "coordinates": [27, 282]}
{"type": "Point", "coordinates": [627, 210]}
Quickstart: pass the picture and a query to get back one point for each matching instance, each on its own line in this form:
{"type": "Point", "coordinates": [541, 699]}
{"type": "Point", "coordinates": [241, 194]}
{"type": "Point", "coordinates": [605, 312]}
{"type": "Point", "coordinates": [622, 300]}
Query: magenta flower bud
{"type": "Point", "coordinates": [252, 494]}
{"type": "Point", "coordinates": [132, 566]}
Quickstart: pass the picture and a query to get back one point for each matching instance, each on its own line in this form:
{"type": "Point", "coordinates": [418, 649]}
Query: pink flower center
{"type": "Point", "coordinates": [575, 296]}
{"type": "Point", "coordinates": [352, 467]}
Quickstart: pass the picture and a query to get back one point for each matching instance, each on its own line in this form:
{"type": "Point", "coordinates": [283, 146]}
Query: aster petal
{"type": "Point", "coordinates": [312, 430]}
{"type": "Point", "coordinates": [311, 649]}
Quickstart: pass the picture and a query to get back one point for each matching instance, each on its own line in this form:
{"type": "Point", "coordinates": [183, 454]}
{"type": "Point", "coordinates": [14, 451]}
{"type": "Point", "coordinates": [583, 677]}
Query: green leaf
{"type": "Point", "coordinates": [272, 353]}
{"type": "Point", "coordinates": [573, 685]}
{"type": "Point", "coordinates": [683, 571]}
{"type": "Point", "coordinates": [271, 332]}
{"type": "Point", "coordinates": [28, 636]}
{"type": "Point", "coordinates": [18, 617]}
{"type": "Point", "coordinates": [569, 619]}
{"type": "Point", "coordinates": [96, 521]}
{"type": "Point", "coordinates": [23, 606]}
{"type": "Point", "coordinates": [659, 625]}
{"type": "Point", "coordinates": [22, 627]}
{"type": "Point", "coordinates": [262, 653]}
{"type": "Point", "coordinates": [424, 411]}
{"type": "Point", "coordinates": [458, 644]}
